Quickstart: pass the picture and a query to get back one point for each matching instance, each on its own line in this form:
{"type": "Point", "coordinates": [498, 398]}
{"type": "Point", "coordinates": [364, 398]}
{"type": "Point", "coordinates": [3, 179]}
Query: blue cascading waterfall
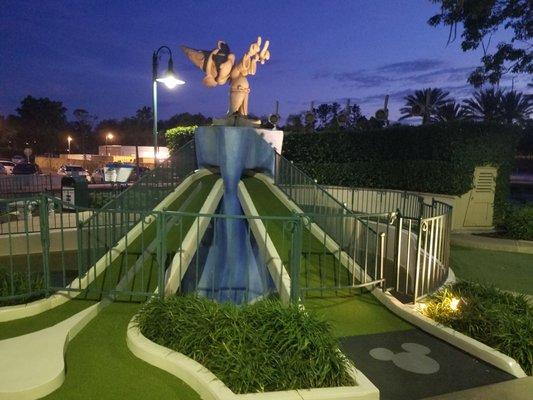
{"type": "Point", "coordinates": [232, 269]}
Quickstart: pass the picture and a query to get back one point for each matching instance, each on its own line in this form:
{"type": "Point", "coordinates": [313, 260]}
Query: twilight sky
{"type": "Point", "coordinates": [96, 54]}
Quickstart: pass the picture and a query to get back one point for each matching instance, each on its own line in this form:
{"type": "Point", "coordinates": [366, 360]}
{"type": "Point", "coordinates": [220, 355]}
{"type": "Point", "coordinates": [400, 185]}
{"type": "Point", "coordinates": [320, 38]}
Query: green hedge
{"type": "Point", "coordinates": [518, 222]}
{"type": "Point", "coordinates": [439, 158]}
{"type": "Point", "coordinates": [178, 136]}
{"type": "Point", "coordinates": [417, 175]}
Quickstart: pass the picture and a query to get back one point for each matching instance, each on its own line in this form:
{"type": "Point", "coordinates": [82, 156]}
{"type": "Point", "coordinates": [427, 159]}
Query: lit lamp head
{"type": "Point", "coordinates": [109, 136]}
{"type": "Point", "coordinates": [169, 78]}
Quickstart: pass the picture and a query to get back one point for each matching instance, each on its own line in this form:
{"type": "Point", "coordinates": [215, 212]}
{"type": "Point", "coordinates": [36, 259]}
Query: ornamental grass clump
{"type": "Point", "coordinates": [499, 319]}
{"type": "Point", "coordinates": [16, 288]}
{"type": "Point", "coordinates": [251, 348]}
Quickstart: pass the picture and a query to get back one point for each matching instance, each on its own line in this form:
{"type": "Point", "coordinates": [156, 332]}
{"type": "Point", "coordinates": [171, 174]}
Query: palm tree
{"type": "Point", "coordinates": [424, 103]}
{"type": "Point", "coordinates": [450, 111]}
{"type": "Point", "coordinates": [516, 107]}
{"type": "Point", "coordinates": [484, 106]}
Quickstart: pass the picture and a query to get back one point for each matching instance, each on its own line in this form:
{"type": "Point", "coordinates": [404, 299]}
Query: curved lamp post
{"type": "Point", "coordinates": [169, 79]}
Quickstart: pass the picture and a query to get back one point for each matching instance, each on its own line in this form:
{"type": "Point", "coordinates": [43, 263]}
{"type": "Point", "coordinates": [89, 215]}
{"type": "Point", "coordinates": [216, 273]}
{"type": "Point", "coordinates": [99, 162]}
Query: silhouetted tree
{"type": "Point", "coordinates": [40, 123]}
{"type": "Point", "coordinates": [479, 20]}
{"type": "Point", "coordinates": [450, 111]}
{"type": "Point", "coordinates": [485, 105]}
{"type": "Point", "coordinates": [516, 107]}
{"type": "Point", "coordinates": [424, 103]}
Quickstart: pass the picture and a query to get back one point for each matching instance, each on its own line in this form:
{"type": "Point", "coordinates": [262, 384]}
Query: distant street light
{"type": "Point", "coordinates": [69, 139]}
{"type": "Point", "coordinates": [109, 136]}
{"type": "Point", "coordinates": [169, 79]}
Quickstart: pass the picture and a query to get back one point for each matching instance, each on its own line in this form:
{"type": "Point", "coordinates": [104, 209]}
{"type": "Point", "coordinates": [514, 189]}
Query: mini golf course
{"type": "Point", "coordinates": [401, 360]}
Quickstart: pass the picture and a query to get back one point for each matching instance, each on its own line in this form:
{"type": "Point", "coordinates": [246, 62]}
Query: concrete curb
{"type": "Point", "coordinates": [455, 338]}
{"type": "Point", "coordinates": [209, 387]}
{"type": "Point", "coordinates": [37, 360]}
{"type": "Point", "coordinates": [488, 243]}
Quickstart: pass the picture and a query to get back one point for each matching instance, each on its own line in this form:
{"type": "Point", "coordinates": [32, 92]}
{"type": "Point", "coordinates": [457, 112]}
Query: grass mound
{"type": "Point", "coordinates": [501, 320]}
{"type": "Point", "coordinates": [252, 348]}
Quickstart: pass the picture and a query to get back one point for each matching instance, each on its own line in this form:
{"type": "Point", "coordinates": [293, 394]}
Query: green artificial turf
{"type": "Point", "coordinates": [359, 314]}
{"type": "Point", "coordinates": [505, 270]}
{"type": "Point", "coordinates": [100, 366]}
{"type": "Point", "coordinates": [44, 320]}
{"type": "Point", "coordinates": [349, 312]}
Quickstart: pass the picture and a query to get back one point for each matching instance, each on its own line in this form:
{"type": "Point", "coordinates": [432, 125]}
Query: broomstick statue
{"type": "Point", "coordinates": [219, 67]}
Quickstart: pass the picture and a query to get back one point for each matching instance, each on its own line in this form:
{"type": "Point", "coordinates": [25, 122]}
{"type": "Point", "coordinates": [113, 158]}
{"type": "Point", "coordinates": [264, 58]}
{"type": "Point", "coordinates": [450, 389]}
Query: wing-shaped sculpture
{"type": "Point", "coordinates": [219, 67]}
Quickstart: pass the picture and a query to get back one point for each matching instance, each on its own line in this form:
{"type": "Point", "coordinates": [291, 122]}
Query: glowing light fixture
{"type": "Point", "coordinates": [454, 304]}
{"type": "Point", "coordinates": [69, 139]}
{"type": "Point", "coordinates": [169, 79]}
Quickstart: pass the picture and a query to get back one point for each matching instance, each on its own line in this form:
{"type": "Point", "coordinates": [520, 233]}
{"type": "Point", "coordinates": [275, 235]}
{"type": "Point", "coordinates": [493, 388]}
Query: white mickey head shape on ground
{"type": "Point", "coordinates": [414, 359]}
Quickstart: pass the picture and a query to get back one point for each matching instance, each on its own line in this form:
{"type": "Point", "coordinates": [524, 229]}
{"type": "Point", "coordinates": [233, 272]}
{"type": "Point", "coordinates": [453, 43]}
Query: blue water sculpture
{"type": "Point", "coordinates": [233, 269]}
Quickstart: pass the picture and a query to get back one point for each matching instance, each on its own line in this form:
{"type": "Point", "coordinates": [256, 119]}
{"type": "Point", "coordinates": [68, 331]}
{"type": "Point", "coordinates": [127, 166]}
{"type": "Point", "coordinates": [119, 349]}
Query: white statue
{"type": "Point", "coordinates": [219, 67]}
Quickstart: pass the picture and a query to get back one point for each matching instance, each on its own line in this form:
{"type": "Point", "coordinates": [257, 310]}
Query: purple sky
{"type": "Point", "coordinates": [96, 54]}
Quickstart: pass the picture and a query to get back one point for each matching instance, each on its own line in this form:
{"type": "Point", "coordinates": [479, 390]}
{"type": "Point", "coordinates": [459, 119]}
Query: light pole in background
{"type": "Point", "coordinates": [69, 139]}
{"type": "Point", "coordinates": [169, 79]}
{"type": "Point", "coordinates": [108, 136]}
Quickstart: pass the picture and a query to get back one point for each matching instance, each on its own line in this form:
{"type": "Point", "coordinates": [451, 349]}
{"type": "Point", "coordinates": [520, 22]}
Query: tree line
{"type": "Point", "coordinates": [43, 124]}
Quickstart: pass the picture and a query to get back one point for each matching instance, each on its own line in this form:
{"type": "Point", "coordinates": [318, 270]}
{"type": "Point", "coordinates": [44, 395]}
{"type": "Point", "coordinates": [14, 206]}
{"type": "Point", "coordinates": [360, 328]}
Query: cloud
{"type": "Point", "coordinates": [404, 67]}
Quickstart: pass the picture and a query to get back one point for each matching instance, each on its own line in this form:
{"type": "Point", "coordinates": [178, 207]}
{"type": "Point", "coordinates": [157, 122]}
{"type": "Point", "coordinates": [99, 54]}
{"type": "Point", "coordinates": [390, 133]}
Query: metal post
{"type": "Point", "coordinates": [398, 250]}
{"type": "Point", "coordinates": [381, 256]}
{"type": "Point", "coordinates": [161, 252]}
{"type": "Point", "coordinates": [296, 252]}
{"type": "Point", "coordinates": [45, 241]}
{"type": "Point", "coordinates": [154, 110]}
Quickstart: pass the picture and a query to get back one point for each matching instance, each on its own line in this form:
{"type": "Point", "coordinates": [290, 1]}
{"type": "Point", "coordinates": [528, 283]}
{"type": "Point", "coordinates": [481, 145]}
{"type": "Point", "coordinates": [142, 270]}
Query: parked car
{"type": "Point", "coordinates": [98, 176]}
{"type": "Point", "coordinates": [26, 169]}
{"type": "Point", "coordinates": [3, 170]}
{"type": "Point", "coordinates": [18, 159]}
{"type": "Point", "coordinates": [8, 165]}
{"type": "Point", "coordinates": [137, 173]}
{"type": "Point", "coordinates": [74, 170]}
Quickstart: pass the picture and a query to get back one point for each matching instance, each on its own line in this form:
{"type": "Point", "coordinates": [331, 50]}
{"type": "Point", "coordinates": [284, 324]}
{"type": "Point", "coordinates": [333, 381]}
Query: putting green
{"type": "Point", "coordinates": [100, 365]}
{"type": "Point", "coordinates": [350, 312]}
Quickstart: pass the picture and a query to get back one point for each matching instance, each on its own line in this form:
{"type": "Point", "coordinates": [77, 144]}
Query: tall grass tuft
{"type": "Point", "coordinates": [499, 319]}
{"type": "Point", "coordinates": [17, 289]}
{"type": "Point", "coordinates": [252, 348]}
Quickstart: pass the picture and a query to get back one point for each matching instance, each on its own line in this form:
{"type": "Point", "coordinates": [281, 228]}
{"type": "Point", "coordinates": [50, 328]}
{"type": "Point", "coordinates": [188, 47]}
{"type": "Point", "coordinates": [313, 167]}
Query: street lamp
{"type": "Point", "coordinates": [169, 79]}
{"type": "Point", "coordinates": [109, 136]}
{"type": "Point", "coordinates": [69, 139]}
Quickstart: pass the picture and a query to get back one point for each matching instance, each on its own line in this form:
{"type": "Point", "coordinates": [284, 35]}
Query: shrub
{"type": "Point", "coordinates": [368, 158]}
{"type": "Point", "coordinates": [178, 136]}
{"type": "Point", "coordinates": [499, 319]}
{"type": "Point", "coordinates": [518, 221]}
{"type": "Point", "coordinates": [18, 285]}
{"type": "Point", "coordinates": [251, 348]}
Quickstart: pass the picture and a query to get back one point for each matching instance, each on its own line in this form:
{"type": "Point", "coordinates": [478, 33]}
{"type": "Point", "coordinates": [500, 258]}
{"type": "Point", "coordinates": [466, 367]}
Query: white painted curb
{"type": "Point", "coordinates": [277, 270]}
{"type": "Point", "coordinates": [209, 387]}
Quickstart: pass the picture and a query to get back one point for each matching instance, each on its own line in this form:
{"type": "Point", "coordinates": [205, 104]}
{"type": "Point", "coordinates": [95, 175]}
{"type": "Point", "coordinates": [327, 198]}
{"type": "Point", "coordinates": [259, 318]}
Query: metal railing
{"type": "Point", "coordinates": [47, 245]}
{"type": "Point", "coordinates": [411, 239]}
{"type": "Point", "coordinates": [15, 186]}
